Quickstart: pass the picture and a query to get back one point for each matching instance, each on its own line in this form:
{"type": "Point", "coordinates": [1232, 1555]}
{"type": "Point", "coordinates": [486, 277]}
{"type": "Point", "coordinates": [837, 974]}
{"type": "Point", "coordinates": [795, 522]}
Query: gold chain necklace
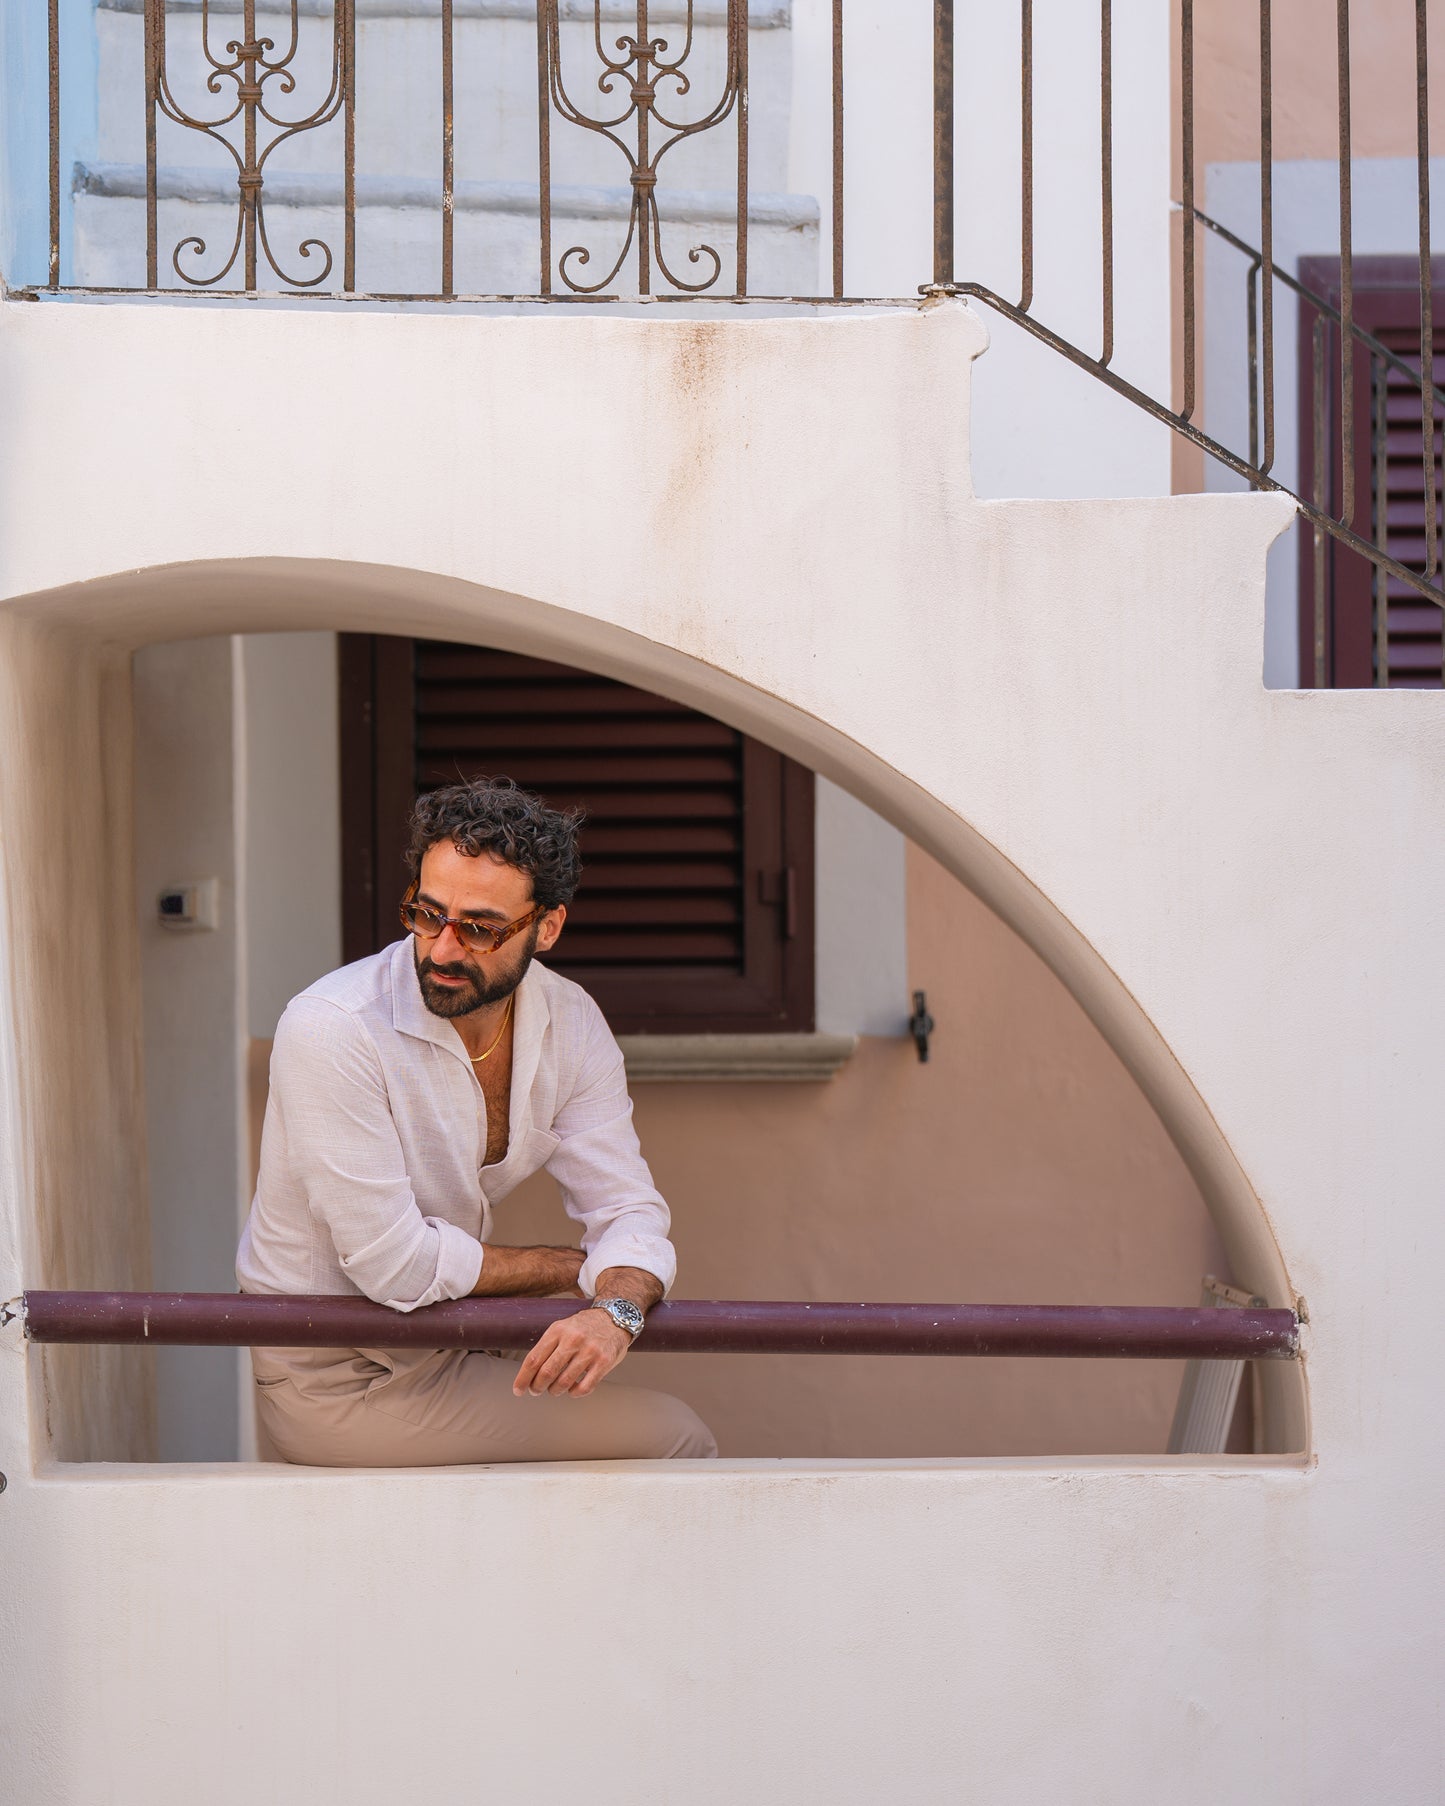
{"type": "Point", "coordinates": [476, 1059]}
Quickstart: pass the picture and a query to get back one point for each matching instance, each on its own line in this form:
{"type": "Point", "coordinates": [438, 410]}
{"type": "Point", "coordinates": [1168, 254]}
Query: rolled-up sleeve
{"type": "Point", "coordinates": [343, 1149]}
{"type": "Point", "coordinates": [604, 1180]}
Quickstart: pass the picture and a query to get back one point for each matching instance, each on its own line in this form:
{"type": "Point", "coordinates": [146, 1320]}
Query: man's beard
{"type": "Point", "coordinates": [480, 988]}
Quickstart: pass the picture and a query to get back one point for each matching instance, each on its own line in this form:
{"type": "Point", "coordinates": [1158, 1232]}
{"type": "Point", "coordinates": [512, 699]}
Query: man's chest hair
{"type": "Point", "coordinates": [495, 1079]}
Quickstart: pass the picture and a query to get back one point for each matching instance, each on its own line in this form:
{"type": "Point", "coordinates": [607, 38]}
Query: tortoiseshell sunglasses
{"type": "Point", "coordinates": [480, 937]}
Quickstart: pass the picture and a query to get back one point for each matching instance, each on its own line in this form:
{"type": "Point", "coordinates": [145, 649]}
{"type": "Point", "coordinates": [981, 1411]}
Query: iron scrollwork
{"type": "Point", "coordinates": [259, 78]}
{"type": "Point", "coordinates": [644, 63]}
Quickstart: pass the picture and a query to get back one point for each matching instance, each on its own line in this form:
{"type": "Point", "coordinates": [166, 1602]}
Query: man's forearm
{"type": "Point", "coordinates": [527, 1272]}
{"type": "Point", "coordinates": [632, 1283]}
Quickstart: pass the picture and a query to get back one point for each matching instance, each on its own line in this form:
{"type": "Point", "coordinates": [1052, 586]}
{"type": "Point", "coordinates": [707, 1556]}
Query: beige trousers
{"type": "Point", "coordinates": [371, 1407]}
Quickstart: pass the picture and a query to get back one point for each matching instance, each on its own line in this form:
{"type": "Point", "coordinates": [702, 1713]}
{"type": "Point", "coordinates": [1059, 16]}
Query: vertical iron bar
{"type": "Point", "coordinates": [250, 92]}
{"type": "Point", "coordinates": [53, 29]}
{"type": "Point", "coordinates": [348, 19]}
{"type": "Point", "coordinates": [838, 148]}
{"type": "Point", "coordinates": [942, 141]}
{"type": "Point", "coordinates": [1026, 155]}
{"type": "Point", "coordinates": [1251, 331]}
{"type": "Point", "coordinates": [1321, 454]}
{"type": "Point", "coordinates": [1427, 298]}
{"type": "Point", "coordinates": [1106, 171]}
{"type": "Point", "coordinates": [740, 12]}
{"type": "Point", "coordinates": [448, 149]}
{"type": "Point", "coordinates": [1347, 273]}
{"type": "Point", "coordinates": [643, 200]}
{"type": "Point", "coordinates": [155, 26]}
{"type": "Point", "coordinates": [1380, 449]}
{"type": "Point", "coordinates": [1266, 223]}
{"type": "Point", "coordinates": [544, 150]}
{"type": "Point", "coordinates": [1186, 159]}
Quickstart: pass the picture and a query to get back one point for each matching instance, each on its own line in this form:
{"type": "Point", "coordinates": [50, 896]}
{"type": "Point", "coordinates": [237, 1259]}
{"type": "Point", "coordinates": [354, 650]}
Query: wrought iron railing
{"type": "Point", "coordinates": [626, 102]}
{"type": "Point", "coordinates": [247, 81]}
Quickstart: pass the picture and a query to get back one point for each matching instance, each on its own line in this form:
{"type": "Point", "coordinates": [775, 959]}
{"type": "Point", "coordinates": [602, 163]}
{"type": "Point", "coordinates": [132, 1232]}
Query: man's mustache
{"type": "Point", "coordinates": [462, 971]}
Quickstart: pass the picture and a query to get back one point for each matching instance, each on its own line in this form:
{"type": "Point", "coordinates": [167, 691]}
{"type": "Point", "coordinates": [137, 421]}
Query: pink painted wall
{"type": "Point", "coordinates": [1305, 66]}
{"type": "Point", "coordinates": [1021, 1164]}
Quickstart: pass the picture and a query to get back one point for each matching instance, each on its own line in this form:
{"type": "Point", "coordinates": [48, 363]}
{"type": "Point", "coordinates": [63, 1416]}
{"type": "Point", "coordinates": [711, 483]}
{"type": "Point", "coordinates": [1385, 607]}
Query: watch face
{"type": "Point", "coordinates": [624, 1314]}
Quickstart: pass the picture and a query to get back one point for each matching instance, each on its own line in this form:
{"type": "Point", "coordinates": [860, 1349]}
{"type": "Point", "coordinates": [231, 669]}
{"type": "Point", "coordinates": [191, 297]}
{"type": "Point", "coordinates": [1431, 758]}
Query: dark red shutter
{"type": "Point", "coordinates": [695, 910]}
{"type": "Point", "coordinates": [1387, 305]}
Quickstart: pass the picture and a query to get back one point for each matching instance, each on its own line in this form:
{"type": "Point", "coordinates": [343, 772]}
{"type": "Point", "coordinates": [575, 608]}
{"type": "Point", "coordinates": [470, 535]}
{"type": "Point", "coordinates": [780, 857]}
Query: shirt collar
{"type": "Point", "coordinates": [533, 1015]}
{"type": "Point", "coordinates": [410, 1016]}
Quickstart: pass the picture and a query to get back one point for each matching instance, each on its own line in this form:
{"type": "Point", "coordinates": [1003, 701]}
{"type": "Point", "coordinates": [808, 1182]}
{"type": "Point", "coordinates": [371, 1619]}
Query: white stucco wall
{"type": "Point", "coordinates": [860, 919]}
{"type": "Point", "coordinates": [74, 1139]}
{"type": "Point", "coordinates": [193, 985]}
{"type": "Point", "coordinates": [291, 809]}
{"type": "Point", "coordinates": [1040, 426]}
{"type": "Point", "coordinates": [1063, 702]}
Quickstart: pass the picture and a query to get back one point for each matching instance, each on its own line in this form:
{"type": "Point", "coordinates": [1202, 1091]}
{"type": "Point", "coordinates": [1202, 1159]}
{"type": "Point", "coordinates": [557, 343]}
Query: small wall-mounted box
{"type": "Point", "coordinates": [195, 904]}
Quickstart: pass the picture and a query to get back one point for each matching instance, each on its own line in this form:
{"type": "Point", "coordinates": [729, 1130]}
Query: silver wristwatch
{"type": "Point", "coordinates": [623, 1312]}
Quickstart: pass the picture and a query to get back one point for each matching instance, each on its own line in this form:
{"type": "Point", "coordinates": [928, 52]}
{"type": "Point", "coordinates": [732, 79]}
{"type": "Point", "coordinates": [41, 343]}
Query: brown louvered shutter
{"type": "Point", "coordinates": [1386, 305]}
{"type": "Point", "coordinates": [695, 910]}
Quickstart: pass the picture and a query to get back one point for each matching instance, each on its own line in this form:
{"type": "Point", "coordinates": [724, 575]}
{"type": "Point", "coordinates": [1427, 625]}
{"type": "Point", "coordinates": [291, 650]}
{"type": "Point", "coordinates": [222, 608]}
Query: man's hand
{"type": "Point", "coordinates": [579, 1351]}
{"type": "Point", "coordinates": [573, 1355]}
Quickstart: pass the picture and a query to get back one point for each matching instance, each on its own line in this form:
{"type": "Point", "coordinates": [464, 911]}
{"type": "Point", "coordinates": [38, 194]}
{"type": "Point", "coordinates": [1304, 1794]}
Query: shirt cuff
{"type": "Point", "coordinates": [387, 1270]}
{"type": "Point", "coordinates": [459, 1262]}
{"type": "Point", "coordinates": [655, 1256]}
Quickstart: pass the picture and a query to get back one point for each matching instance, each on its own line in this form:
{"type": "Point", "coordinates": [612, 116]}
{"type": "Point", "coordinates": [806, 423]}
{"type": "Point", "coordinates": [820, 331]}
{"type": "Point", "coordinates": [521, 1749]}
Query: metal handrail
{"type": "Point", "coordinates": [684, 1326]}
{"type": "Point", "coordinates": [1158, 410]}
{"type": "Point", "coordinates": [1318, 302]}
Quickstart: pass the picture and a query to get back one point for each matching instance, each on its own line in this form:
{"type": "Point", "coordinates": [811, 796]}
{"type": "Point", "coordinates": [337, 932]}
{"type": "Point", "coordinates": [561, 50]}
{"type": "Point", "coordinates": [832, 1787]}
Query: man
{"type": "Point", "coordinates": [410, 1093]}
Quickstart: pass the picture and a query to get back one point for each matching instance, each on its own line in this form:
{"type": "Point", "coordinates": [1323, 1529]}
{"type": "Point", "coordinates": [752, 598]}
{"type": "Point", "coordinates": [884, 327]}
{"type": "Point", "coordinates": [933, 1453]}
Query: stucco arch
{"type": "Point", "coordinates": [97, 624]}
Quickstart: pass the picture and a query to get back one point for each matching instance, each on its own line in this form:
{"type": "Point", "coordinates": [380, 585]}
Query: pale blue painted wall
{"type": "Point", "coordinates": [24, 131]}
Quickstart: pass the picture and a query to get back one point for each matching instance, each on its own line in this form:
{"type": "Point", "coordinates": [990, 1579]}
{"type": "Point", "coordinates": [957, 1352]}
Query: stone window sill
{"type": "Point", "coordinates": [766, 1058]}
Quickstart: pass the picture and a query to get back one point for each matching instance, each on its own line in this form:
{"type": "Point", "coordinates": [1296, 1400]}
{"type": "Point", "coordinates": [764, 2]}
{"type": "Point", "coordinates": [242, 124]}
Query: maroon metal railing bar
{"type": "Point", "coordinates": [685, 1326]}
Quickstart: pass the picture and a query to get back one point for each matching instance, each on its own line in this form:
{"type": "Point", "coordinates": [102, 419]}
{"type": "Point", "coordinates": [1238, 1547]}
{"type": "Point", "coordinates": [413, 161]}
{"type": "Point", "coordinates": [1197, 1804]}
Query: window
{"type": "Point", "coordinates": [695, 912]}
{"type": "Point", "coordinates": [1406, 646]}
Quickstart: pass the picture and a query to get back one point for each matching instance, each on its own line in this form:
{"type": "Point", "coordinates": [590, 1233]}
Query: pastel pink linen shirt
{"type": "Point", "coordinates": [372, 1177]}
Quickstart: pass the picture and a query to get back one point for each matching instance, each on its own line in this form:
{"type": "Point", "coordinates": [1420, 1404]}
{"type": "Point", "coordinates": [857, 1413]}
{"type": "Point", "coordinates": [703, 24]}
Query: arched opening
{"type": "Point", "coordinates": [93, 628]}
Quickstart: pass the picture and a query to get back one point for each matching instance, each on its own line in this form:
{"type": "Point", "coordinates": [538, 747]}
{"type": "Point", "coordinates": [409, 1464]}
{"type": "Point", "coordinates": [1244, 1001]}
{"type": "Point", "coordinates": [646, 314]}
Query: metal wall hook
{"type": "Point", "coordinates": [920, 1024]}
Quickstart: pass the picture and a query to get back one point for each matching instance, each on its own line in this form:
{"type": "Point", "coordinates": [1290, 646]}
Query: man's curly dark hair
{"type": "Point", "coordinates": [491, 815]}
